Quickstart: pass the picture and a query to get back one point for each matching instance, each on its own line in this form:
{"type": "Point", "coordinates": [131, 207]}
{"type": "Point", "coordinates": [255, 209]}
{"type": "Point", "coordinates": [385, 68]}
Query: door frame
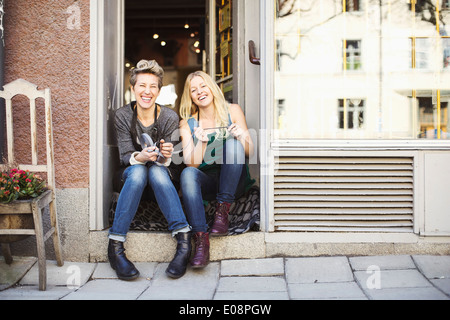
{"type": "Point", "coordinates": [266, 115]}
{"type": "Point", "coordinates": [253, 20]}
{"type": "Point", "coordinates": [106, 94]}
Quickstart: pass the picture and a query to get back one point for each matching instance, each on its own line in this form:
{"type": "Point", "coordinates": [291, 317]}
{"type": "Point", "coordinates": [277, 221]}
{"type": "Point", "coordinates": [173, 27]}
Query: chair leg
{"type": "Point", "coordinates": [56, 238]}
{"type": "Point", "coordinates": [6, 251]}
{"type": "Point", "coordinates": [42, 263]}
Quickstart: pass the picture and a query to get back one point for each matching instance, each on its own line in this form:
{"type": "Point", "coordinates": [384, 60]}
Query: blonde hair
{"type": "Point", "coordinates": [188, 108]}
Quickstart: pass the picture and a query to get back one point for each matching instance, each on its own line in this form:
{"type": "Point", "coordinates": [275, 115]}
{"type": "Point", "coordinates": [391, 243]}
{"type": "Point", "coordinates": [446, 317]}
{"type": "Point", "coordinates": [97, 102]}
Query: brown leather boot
{"type": "Point", "coordinates": [220, 225]}
{"type": "Point", "coordinates": [201, 255]}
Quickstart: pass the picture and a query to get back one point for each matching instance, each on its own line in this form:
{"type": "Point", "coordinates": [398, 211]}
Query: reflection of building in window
{"type": "Point", "coordinates": [278, 60]}
{"type": "Point", "coordinates": [428, 117]}
{"type": "Point", "coordinates": [446, 50]}
{"type": "Point", "coordinates": [353, 55]}
{"type": "Point", "coordinates": [281, 111]}
{"type": "Point", "coordinates": [352, 5]}
{"type": "Point", "coordinates": [445, 5]}
{"type": "Point", "coordinates": [351, 113]}
{"type": "Point", "coordinates": [420, 52]}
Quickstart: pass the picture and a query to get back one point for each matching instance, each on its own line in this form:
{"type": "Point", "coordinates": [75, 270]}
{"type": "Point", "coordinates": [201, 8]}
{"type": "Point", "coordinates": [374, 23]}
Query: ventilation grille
{"type": "Point", "coordinates": [338, 194]}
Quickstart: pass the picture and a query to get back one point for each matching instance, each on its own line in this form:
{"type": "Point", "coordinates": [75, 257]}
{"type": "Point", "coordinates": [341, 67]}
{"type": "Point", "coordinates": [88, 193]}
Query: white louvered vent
{"type": "Point", "coordinates": [359, 194]}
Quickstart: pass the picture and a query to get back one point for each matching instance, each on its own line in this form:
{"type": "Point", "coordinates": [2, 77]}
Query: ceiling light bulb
{"type": "Point", "coordinates": [163, 43]}
{"type": "Point", "coordinates": [155, 36]}
{"type": "Point", "coordinates": [186, 26]}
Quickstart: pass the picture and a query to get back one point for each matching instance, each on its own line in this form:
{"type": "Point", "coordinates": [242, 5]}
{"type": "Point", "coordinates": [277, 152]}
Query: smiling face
{"type": "Point", "coordinates": [201, 94]}
{"type": "Point", "coordinates": [146, 90]}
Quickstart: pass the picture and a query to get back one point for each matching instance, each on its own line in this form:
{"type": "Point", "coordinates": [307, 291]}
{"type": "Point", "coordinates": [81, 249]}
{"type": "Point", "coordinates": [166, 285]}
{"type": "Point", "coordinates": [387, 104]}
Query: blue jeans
{"type": "Point", "coordinates": [224, 186]}
{"type": "Point", "coordinates": [136, 179]}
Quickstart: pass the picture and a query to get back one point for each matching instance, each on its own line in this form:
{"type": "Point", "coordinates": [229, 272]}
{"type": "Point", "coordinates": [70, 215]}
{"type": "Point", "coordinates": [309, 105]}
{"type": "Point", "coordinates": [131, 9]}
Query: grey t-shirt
{"type": "Point", "coordinates": [166, 124]}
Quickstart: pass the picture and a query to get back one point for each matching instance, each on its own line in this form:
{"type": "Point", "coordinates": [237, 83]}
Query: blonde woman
{"type": "Point", "coordinates": [215, 143]}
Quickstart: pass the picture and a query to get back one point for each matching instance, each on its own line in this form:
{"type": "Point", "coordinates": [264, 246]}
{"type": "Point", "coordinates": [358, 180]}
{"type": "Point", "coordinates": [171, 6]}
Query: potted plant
{"type": "Point", "coordinates": [16, 187]}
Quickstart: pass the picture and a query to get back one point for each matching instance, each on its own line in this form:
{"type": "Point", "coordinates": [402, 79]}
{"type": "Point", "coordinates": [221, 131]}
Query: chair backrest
{"type": "Point", "coordinates": [29, 90]}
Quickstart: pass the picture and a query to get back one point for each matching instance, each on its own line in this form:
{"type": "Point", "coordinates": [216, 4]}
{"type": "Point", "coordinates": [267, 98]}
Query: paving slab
{"type": "Point", "coordinates": [252, 288]}
{"type": "Point", "coordinates": [253, 267]}
{"type": "Point", "coordinates": [428, 293]}
{"type": "Point", "coordinates": [251, 284]}
{"type": "Point", "coordinates": [442, 284]}
{"type": "Point", "coordinates": [10, 274]}
{"type": "Point", "coordinates": [71, 273]}
{"type": "Point", "coordinates": [104, 270]}
{"type": "Point", "coordinates": [109, 289]}
{"type": "Point", "coordinates": [433, 267]}
{"type": "Point", "coordinates": [386, 279]}
{"type": "Point", "coordinates": [321, 269]}
{"type": "Point", "coordinates": [33, 293]}
{"type": "Point", "coordinates": [327, 291]}
{"type": "Point", "coordinates": [194, 278]}
{"type": "Point", "coordinates": [180, 293]}
{"type": "Point", "coordinates": [390, 262]}
{"type": "Point", "coordinates": [196, 284]}
{"type": "Point", "coordinates": [251, 295]}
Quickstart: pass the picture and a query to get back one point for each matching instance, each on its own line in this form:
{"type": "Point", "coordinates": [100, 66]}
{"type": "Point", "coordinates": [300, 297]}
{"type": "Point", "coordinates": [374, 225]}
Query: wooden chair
{"type": "Point", "coordinates": [47, 199]}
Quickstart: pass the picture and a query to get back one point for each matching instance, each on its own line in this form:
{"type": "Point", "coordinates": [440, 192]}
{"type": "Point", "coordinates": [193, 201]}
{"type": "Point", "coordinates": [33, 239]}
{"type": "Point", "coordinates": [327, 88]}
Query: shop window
{"type": "Point", "coordinates": [352, 55]}
{"type": "Point", "coordinates": [351, 113]}
{"type": "Point", "coordinates": [315, 84]}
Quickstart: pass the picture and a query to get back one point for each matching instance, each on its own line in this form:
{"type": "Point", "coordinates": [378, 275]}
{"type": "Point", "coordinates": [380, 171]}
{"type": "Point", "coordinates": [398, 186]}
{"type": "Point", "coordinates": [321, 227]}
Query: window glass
{"type": "Point", "coordinates": [368, 69]}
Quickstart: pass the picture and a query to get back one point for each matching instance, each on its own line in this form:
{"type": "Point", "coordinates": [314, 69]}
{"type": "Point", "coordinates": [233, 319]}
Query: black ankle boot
{"type": "Point", "coordinates": [125, 269]}
{"type": "Point", "coordinates": [177, 267]}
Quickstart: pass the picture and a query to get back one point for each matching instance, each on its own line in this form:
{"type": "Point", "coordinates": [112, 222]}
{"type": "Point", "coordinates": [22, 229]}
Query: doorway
{"type": "Point", "coordinates": [172, 32]}
{"type": "Point", "coordinates": [208, 35]}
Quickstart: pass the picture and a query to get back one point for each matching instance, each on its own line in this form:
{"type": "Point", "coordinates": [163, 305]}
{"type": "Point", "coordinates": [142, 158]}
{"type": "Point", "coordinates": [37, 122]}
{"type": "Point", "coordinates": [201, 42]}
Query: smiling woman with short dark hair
{"type": "Point", "coordinates": [145, 165]}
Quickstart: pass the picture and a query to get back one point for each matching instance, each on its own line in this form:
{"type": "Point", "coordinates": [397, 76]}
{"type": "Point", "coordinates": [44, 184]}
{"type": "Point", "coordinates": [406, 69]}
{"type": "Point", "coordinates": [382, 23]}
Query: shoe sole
{"type": "Point", "coordinates": [125, 278]}
{"type": "Point", "coordinates": [216, 234]}
{"type": "Point", "coordinates": [128, 278]}
{"type": "Point", "coordinates": [199, 266]}
{"type": "Point", "coordinates": [173, 276]}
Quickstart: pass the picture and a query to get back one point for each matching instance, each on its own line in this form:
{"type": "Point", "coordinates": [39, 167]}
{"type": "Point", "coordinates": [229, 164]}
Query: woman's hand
{"type": "Point", "coordinates": [166, 149]}
{"type": "Point", "coordinates": [200, 134]}
{"type": "Point", "coordinates": [147, 154]}
{"type": "Point", "coordinates": [236, 131]}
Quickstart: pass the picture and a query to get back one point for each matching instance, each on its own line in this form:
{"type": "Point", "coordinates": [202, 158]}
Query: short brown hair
{"type": "Point", "coordinates": [147, 66]}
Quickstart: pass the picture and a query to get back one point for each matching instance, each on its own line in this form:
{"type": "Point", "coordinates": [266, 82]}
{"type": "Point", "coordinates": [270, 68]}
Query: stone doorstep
{"type": "Point", "coordinates": [160, 246]}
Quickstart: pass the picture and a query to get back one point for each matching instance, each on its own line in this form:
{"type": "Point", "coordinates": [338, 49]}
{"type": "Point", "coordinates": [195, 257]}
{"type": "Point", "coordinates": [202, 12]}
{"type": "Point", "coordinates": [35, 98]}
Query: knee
{"type": "Point", "coordinates": [136, 176]}
{"type": "Point", "coordinates": [158, 175]}
{"type": "Point", "coordinates": [188, 178]}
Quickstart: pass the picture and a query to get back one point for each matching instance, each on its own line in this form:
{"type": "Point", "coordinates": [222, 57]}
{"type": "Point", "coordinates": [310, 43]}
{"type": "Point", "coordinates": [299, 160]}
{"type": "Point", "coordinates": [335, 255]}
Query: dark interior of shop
{"type": "Point", "coordinates": [172, 32]}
